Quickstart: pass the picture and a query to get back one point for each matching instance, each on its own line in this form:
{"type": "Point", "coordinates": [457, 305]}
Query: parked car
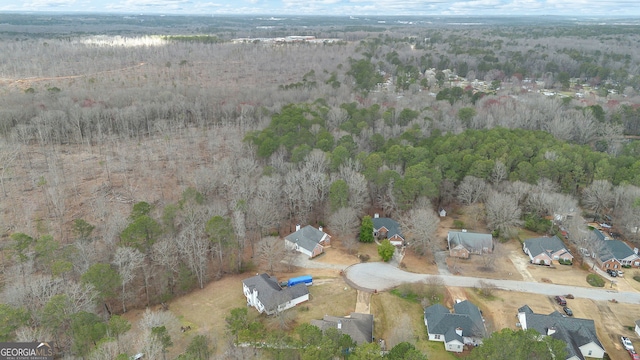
{"type": "Point", "coordinates": [612, 273]}
{"type": "Point", "coordinates": [567, 311]}
{"type": "Point", "coordinates": [634, 355]}
{"type": "Point", "coordinates": [627, 343]}
{"type": "Point", "coordinates": [620, 273]}
{"type": "Point", "coordinates": [561, 300]}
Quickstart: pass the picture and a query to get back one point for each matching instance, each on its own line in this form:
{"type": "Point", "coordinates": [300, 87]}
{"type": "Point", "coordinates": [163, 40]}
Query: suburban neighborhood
{"type": "Point", "coordinates": [460, 326]}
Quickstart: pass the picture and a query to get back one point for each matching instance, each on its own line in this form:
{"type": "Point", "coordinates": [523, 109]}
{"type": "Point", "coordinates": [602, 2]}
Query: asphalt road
{"type": "Point", "coordinates": [380, 276]}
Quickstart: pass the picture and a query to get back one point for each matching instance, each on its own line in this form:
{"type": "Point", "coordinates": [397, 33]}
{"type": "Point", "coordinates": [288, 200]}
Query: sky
{"type": "Point", "coordinates": [578, 8]}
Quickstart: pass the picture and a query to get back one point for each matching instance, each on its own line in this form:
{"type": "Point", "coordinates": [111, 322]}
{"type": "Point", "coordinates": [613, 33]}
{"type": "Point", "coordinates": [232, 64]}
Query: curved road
{"type": "Point", "coordinates": [381, 276]}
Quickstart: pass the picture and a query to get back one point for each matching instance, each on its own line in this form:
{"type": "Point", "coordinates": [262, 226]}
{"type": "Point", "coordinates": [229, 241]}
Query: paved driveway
{"type": "Point", "coordinates": [380, 276]}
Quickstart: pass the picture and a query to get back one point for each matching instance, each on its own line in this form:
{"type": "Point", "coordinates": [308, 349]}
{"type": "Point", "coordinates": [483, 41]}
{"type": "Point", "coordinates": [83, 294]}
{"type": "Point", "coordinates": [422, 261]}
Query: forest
{"type": "Point", "coordinates": [141, 160]}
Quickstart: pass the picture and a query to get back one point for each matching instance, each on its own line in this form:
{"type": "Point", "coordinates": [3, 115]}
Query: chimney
{"type": "Point", "coordinates": [635, 250]}
{"type": "Point", "coordinates": [297, 227]}
{"type": "Point", "coordinates": [376, 215]}
{"type": "Point", "coordinates": [320, 228]}
{"type": "Point", "coordinates": [459, 331]}
{"type": "Point", "coordinates": [551, 330]}
{"type": "Point", "coordinates": [339, 324]}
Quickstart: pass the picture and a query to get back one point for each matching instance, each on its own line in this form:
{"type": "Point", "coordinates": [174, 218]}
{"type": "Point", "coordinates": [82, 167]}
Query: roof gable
{"type": "Point", "coordinates": [392, 226]}
{"type": "Point", "coordinates": [307, 237]}
{"type": "Point", "coordinates": [467, 316]}
{"type": "Point", "coordinates": [544, 245]}
{"type": "Point", "coordinates": [470, 240]}
{"type": "Point", "coordinates": [270, 293]}
{"type": "Point", "coordinates": [358, 326]}
{"type": "Point", "coordinates": [575, 332]}
{"type": "Point", "coordinates": [618, 249]}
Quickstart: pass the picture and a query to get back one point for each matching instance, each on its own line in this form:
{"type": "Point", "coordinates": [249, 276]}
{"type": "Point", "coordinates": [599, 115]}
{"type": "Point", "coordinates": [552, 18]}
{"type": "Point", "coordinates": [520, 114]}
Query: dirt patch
{"type": "Point", "coordinates": [363, 302]}
{"type": "Point", "coordinates": [493, 266]}
{"type": "Point", "coordinates": [456, 294]}
{"type": "Point", "coordinates": [415, 263]}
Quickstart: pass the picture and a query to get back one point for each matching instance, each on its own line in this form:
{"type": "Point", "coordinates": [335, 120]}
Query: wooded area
{"type": "Point", "coordinates": [139, 162]}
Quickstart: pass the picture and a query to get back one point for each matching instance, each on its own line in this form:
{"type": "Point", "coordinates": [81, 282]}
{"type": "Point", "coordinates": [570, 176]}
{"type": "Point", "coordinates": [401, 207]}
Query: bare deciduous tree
{"type": "Point", "coordinates": [271, 250]}
{"type": "Point", "coordinates": [598, 196]}
{"type": "Point", "coordinates": [475, 213]}
{"type": "Point", "coordinates": [419, 227]}
{"type": "Point", "coordinates": [503, 213]}
{"type": "Point", "coordinates": [127, 260]}
{"type": "Point", "coordinates": [472, 190]}
{"type": "Point", "coordinates": [499, 173]}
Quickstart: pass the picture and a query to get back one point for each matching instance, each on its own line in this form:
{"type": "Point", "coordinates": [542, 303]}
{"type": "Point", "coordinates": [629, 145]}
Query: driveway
{"type": "Point", "coordinates": [441, 261]}
{"type": "Point", "coordinates": [376, 276]}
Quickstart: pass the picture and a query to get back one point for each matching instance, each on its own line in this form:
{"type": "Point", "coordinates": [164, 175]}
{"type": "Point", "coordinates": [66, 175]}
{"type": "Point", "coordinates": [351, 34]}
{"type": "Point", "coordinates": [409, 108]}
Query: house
{"type": "Point", "coordinates": [544, 250]}
{"type": "Point", "coordinates": [387, 228]}
{"type": "Point", "coordinates": [601, 235]}
{"type": "Point", "coordinates": [465, 326]}
{"type": "Point", "coordinates": [579, 334]}
{"type": "Point", "coordinates": [308, 240]}
{"type": "Point", "coordinates": [614, 254]}
{"type": "Point", "coordinates": [264, 293]}
{"type": "Point", "coordinates": [442, 212]}
{"type": "Point", "coordinates": [638, 327]}
{"type": "Point", "coordinates": [462, 243]}
{"type": "Point", "coordinates": [357, 325]}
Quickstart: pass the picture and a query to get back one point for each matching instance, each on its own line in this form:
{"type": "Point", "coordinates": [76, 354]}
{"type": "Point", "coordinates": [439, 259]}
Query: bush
{"type": "Point", "coordinates": [486, 289]}
{"type": "Point", "coordinates": [565, 262]}
{"type": "Point", "coordinates": [458, 224]}
{"type": "Point", "coordinates": [536, 224]}
{"type": "Point", "coordinates": [595, 280]}
{"type": "Point", "coordinates": [364, 257]}
{"type": "Point", "coordinates": [386, 250]}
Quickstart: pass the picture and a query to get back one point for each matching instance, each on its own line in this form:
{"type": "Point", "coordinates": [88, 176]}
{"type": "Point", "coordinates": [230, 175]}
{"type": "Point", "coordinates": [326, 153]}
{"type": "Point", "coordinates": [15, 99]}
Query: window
{"type": "Point", "coordinates": [590, 351]}
{"type": "Point", "coordinates": [615, 266]}
{"type": "Point", "coordinates": [437, 337]}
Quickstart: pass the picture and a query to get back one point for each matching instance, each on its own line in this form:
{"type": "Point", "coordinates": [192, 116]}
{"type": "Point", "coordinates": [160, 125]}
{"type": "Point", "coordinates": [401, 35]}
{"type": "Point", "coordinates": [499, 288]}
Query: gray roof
{"type": "Point", "coordinates": [546, 245]}
{"type": "Point", "coordinates": [467, 316]}
{"type": "Point", "coordinates": [600, 235]}
{"type": "Point", "coordinates": [615, 249]}
{"type": "Point", "coordinates": [392, 226]}
{"type": "Point", "coordinates": [358, 326]}
{"type": "Point", "coordinates": [525, 309]}
{"type": "Point", "coordinates": [270, 293]}
{"type": "Point", "coordinates": [574, 332]}
{"type": "Point", "coordinates": [470, 240]}
{"type": "Point", "coordinates": [307, 237]}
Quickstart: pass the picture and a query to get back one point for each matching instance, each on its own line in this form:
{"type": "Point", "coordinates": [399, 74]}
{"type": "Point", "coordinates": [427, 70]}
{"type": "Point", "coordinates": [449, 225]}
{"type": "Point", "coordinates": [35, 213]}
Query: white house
{"type": "Point", "coordinates": [464, 326]}
{"type": "Point", "coordinates": [579, 334]}
{"type": "Point", "coordinates": [264, 293]}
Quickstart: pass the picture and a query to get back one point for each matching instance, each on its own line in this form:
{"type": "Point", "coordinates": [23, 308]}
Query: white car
{"type": "Point", "coordinates": [628, 345]}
